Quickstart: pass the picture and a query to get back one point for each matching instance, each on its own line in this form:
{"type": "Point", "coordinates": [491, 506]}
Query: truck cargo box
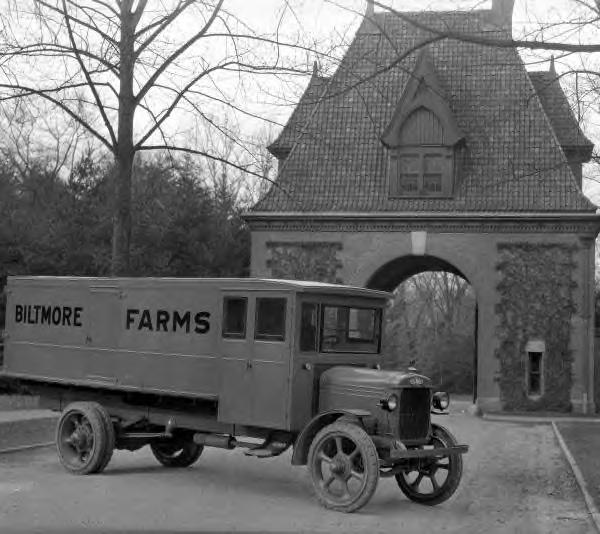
{"type": "Point", "coordinates": [167, 336]}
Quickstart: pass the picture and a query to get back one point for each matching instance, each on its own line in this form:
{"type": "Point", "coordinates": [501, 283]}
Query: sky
{"type": "Point", "coordinates": [339, 19]}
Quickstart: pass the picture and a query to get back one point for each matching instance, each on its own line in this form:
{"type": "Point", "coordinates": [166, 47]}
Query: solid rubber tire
{"type": "Point", "coordinates": [189, 454]}
{"type": "Point", "coordinates": [370, 464]}
{"type": "Point", "coordinates": [111, 436]}
{"type": "Point", "coordinates": [452, 480]}
{"type": "Point", "coordinates": [100, 434]}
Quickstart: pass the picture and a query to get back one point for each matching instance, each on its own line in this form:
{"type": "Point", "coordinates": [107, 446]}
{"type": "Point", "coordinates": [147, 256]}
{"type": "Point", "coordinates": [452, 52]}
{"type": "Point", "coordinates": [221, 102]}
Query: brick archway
{"type": "Point", "coordinates": [397, 271]}
{"type": "Point", "coordinates": [394, 272]}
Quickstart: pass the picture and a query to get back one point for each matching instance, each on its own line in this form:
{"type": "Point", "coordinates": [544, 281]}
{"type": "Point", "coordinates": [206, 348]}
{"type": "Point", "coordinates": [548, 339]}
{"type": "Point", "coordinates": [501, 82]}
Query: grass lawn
{"type": "Point", "coordinates": [583, 440]}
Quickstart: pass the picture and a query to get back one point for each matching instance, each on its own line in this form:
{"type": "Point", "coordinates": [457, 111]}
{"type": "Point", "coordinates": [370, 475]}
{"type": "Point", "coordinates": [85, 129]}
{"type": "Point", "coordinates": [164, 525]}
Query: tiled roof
{"type": "Point", "coordinates": [337, 162]}
{"type": "Point", "coordinates": [301, 116]}
{"type": "Point", "coordinates": [559, 111]}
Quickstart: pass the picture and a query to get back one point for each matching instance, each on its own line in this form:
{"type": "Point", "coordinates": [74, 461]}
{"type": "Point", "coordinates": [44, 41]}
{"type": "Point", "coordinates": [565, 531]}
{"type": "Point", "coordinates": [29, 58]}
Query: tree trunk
{"type": "Point", "coordinates": [124, 153]}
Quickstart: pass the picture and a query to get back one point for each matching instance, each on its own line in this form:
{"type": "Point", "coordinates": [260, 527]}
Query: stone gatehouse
{"type": "Point", "coordinates": [428, 153]}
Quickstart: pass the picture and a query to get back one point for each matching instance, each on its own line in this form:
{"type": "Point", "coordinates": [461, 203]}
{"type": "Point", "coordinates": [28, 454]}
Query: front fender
{"type": "Point", "coordinates": [304, 439]}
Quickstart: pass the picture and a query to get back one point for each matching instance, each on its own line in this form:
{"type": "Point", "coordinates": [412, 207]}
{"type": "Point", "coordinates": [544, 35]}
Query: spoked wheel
{"type": "Point", "coordinates": [344, 466]}
{"type": "Point", "coordinates": [433, 480]}
{"type": "Point", "coordinates": [176, 453]}
{"type": "Point", "coordinates": [84, 439]}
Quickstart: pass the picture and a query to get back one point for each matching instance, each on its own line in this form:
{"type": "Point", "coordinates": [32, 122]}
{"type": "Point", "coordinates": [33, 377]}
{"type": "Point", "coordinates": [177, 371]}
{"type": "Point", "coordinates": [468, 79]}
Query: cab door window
{"type": "Point", "coordinates": [350, 329]}
{"type": "Point", "coordinates": [234, 317]}
{"type": "Point", "coordinates": [270, 319]}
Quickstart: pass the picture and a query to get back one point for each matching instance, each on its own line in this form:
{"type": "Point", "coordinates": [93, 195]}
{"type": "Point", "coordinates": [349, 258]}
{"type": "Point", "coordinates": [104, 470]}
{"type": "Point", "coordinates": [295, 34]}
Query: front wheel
{"type": "Point", "coordinates": [176, 454]}
{"type": "Point", "coordinates": [344, 466]}
{"type": "Point", "coordinates": [433, 480]}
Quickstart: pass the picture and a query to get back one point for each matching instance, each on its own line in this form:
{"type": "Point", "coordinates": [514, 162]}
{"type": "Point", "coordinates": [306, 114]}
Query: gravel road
{"type": "Point", "coordinates": [515, 480]}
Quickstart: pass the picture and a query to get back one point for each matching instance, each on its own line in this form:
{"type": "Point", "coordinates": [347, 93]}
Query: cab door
{"type": "Point", "coordinates": [255, 371]}
{"type": "Point", "coordinates": [305, 386]}
{"type": "Point", "coordinates": [235, 386]}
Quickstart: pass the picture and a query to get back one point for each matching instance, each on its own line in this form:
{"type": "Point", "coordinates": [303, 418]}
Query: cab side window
{"type": "Point", "coordinates": [234, 317]}
{"type": "Point", "coordinates": [270, 319]}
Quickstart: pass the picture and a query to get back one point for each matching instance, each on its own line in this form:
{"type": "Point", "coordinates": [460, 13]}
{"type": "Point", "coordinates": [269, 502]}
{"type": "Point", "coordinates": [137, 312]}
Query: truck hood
{"type": "Point", "coordinates": [372, 378]}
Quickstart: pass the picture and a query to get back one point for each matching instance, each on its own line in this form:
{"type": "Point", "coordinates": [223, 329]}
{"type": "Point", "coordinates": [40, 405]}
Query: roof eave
{"type": "Point", "coordinates": [437, 216]}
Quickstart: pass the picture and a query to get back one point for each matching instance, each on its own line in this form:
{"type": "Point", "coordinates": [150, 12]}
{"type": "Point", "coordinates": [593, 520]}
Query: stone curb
{"type": "Point", "coordinates": [589, 501]}
{"type": "Point", "coordinates": [26, 447]}
{"type": "Point", "coordinates": [538, 419]}
{"type": "Point", "coordinates": [26, 433]}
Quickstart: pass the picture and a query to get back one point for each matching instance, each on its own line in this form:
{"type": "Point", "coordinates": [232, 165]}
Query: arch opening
{"type": "Point", "coordinates": [432, 321]}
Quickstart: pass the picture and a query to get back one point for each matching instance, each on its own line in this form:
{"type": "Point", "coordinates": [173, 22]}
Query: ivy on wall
{"type": "Point", "coordinates": [536, 291]}
{"type": "Point", "coordinates": [305, 260]}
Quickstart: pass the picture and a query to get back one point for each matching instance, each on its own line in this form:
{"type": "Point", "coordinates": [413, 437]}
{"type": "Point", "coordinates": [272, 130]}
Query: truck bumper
{"type": "Point", "coordinates": [402, 454]}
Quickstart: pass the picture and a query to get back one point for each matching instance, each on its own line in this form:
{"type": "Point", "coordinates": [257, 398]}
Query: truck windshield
{"type": "Point", "coordinates": [350, 329]}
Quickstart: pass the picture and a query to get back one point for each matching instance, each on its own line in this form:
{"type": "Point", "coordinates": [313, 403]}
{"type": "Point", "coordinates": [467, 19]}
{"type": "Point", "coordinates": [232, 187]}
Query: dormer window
{"type": "Point", "coordinates": [421, 171]}
{"type": "Point", "coordinates": [422, 138]}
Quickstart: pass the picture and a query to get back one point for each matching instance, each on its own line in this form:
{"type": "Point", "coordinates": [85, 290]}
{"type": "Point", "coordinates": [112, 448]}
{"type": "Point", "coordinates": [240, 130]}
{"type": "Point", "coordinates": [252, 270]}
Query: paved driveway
{"type": "Point", "coordinates": [515, 480]}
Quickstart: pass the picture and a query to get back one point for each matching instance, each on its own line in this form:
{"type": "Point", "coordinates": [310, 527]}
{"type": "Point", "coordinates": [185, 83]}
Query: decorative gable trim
{"type": "Point", "coordinates": [423, 90]}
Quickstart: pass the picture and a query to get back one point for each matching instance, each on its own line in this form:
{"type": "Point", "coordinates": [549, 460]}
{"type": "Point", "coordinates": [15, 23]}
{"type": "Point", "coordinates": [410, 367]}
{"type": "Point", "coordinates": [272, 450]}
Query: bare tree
{"type": "Point", "coordinates": [31, 137]}
{"type": "Point", "coordinates": [132, 73]}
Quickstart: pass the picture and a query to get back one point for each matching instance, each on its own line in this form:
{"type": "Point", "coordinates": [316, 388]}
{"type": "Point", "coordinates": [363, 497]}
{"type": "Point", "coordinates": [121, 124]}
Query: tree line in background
{"type": "Point", "coordinates": [431, 322]}
{"type": "Point", "coordinates": [186, 220]}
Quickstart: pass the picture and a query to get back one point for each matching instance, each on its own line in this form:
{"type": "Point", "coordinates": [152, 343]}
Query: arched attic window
{"type": "Point", "coordinates": [422, 138]}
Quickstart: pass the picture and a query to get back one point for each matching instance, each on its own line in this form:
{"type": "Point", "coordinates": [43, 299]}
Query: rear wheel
{"type": "Point", "coordinates": [433, 480]}
{"type": "Point", "coordinates": [84, 440]}
{"type": "Point", "coordinates": [111, 436]}
{"type": "Point", "coordinates": [176, 453]}
{"type": "Point", "coordinates": [344, 466]}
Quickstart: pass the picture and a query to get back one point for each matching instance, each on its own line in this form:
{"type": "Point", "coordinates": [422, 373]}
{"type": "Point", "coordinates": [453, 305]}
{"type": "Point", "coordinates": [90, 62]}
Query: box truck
{"type": "Point", "coordinates": [182, 364]}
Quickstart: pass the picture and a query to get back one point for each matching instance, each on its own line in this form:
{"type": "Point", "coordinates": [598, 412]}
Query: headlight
{"type": "Point", "coordinates": [389, 404]}
{"type": "Point", "coordinates": [441, 400]}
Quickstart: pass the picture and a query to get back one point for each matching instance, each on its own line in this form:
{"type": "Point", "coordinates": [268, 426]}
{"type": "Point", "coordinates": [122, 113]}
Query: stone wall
{"type": "Point", "coordinates": [536, 291]}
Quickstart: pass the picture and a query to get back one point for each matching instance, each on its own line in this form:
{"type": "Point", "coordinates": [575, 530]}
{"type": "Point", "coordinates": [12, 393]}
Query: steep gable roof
{"type": "Point", "coordinates": [300, 117]}
{"type": "Point", "coordinates": [559, 111]}
{"type": "Point", "coordinates": [338, 163]}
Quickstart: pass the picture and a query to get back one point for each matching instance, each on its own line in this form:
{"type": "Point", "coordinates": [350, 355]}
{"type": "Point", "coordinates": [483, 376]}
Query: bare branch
{"type": "Point", "coordinates": [30, 91]}
{"type": "Point", "coordinates": [89, 80]}
{"type": "Point", "coordinates": [178, 52]}
{"type": "Point", "coordinates": [217, 158]}
{"type": "Point", "coordinates": [162, 24]}
{"type": "Point", "coordinates": [489, 41]}
{"type": "Point", "coordinates": [76, 20]}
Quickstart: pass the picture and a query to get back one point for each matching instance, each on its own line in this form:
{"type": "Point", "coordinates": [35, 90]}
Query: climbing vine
{"type": "Point", "coordinates": [536, 292]}
{"type": "Point", "coordinates": [305, 261]}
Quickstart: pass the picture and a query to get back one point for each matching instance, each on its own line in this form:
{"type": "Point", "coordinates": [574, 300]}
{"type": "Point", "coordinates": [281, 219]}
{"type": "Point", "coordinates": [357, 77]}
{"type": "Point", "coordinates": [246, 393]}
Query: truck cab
{"type": "Point", "coordinates": [276, 344]}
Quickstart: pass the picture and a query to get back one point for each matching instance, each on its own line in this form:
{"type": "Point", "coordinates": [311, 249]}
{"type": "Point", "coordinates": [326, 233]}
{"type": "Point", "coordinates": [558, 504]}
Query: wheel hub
{"type": "Point", "coordinates": [80, 439]}
{"type": "Point", "coordinates": [339, 466]}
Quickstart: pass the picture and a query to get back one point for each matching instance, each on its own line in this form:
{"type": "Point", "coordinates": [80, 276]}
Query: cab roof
{"type": "Point", "coordinates": [244, 284]}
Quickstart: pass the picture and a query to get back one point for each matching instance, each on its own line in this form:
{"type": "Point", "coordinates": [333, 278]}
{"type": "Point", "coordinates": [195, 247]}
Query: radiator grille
{"type": "Point", "coordinates": [415, 413]}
